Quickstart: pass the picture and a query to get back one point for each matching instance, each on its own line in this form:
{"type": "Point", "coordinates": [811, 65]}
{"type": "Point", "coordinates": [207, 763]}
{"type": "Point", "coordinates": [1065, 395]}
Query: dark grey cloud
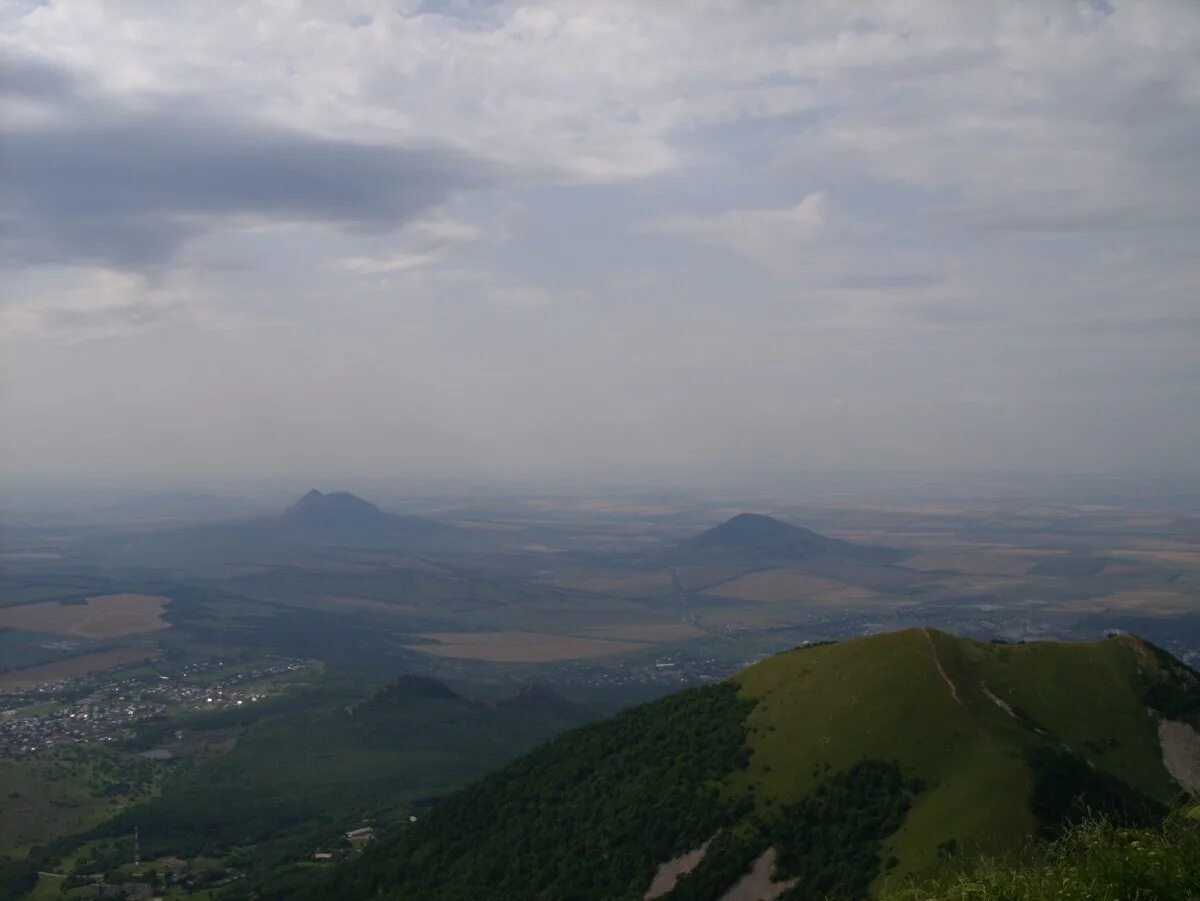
{"type": "Point", "coordinates": [126, 188]}
{"type": "Point", "coordinates": [24, 76]}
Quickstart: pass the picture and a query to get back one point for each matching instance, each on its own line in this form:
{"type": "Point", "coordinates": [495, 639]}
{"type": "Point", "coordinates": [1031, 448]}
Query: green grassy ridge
{"type": "Point", "coordinates": [931, 704]}
{"type": "Point", "coordinates": [1094, 860]}
{"type": "Point", "coordinates": [883, 697]}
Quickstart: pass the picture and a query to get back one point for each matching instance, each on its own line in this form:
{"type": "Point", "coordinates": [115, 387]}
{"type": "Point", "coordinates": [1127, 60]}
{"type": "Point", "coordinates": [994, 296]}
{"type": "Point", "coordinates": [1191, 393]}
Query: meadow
{"type": "Point", "coordinates": [97, 617]}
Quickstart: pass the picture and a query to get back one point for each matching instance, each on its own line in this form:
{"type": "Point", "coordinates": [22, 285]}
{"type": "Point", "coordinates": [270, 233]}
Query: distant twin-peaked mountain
{"type": "Point", "coordinates": [337, 510]}
{"type": "Point", "coordinates": [345, 513]}
{"type": "Point", "coordinates": [315, 520]}
{"type": "Point", "coordinates": [753, 538]}
{"type": "Point", "coordinates": [837, 770]}
{"type": "Point", "coordinates": [345, 520]}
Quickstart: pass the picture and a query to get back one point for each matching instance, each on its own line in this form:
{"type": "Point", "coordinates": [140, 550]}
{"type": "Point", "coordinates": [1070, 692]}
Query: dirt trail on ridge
{"type": "Point", "coordinates": [941, 671]}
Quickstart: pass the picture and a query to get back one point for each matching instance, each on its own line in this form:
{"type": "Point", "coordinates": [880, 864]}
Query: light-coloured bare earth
{"type": "Point", "coordinates": [668, 873]}
{"type": "Point", "coordinates": [73, 667]}
{"type": "Point", "coordinates": [103, 616]}
{"type": "Point", "coordinates": [1181, 753]}
{"type": "Point", "coordinates": [774, 585]}
{"type": "Point", "coordinates": [759, 884]}
{"type": "Point", "coordinates": [521, 647]}
{"type": "Point", "coordinates": [937, 662]}
{"type": "Point", "coordinates": [998, 701]}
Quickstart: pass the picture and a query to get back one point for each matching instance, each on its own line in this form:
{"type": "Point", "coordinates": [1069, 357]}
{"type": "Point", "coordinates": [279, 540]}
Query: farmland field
{"type": "Point", "coordinates": [102, 616]}
{"type": "Point", "coordinates": [983, 564]}
{"type": "Point", "coordinates": [521, 647]}
{"type": "Point", "coordinates": [71, 667]}
{"type": "Point", "coordinates": [774, 585]}
{"type": "Point", "coordinates": [635, 584]}
{"type": "Point", "coordinates": [649, 632]}
{"type": "Point", "coordinates": [1149, 601]}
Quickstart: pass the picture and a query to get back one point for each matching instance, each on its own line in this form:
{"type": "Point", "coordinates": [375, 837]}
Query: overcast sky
{"type": "Point", "coordinates": [406, 238]}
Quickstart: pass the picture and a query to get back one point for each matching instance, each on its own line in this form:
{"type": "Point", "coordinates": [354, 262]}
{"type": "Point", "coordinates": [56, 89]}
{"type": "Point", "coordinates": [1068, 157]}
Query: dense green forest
{"type": "Point", "coordinates": [813, 754]}
{"type": "Point", "coordinates": [310, 765]}
{"type": "Point", "coordinates": [16, 877]}
{"type": "Point", "coordinates": [588, 815]}
{"type": "Point", "coordinates": [829, 842]}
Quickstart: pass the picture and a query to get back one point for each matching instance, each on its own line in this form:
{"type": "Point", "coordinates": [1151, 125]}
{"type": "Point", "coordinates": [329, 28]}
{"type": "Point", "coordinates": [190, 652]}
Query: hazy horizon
{"type": "Point", "coordinates": [331, 241]}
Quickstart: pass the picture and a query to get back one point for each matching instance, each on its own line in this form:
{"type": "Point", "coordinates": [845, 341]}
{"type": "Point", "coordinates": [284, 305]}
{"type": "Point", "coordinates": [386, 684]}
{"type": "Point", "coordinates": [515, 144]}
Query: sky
{"type": "Point", "coordinates": [596, 238]}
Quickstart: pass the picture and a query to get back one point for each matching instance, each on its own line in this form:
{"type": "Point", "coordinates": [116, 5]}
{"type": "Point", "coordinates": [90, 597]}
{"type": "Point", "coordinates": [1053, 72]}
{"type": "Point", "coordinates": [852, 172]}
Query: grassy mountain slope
{"type": "Point", "coordinates": [921, 697]}
{"type": "Point", "coordinates": [861, 763]}
{"type": "Point", "coordinates": [1093, 861]}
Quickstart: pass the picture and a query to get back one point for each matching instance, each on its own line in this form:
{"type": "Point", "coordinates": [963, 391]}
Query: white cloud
{"type": "Point", "coordinates": [528, 297]}
{"type": "Point", "coordinates": [768, 236]}
{"type": "Point", "coordinates": [421, 244]}
{"type": "Point", "coordinates": [79, 305]}
{"type": "Point", "coordinates": [928, 209]}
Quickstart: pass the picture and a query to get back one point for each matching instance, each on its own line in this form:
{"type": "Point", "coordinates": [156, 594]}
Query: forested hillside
{"type": "Point", "coordinates": [837, 770]}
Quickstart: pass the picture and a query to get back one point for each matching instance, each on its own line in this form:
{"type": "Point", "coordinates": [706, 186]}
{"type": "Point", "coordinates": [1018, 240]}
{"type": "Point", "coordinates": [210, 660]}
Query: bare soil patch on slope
{"type": "Point", "coordinates": [1181, 753]}
{"type": "Point", "coordinates": [669, 873]}
{"type": "Point", "coordinates": [759, 884]}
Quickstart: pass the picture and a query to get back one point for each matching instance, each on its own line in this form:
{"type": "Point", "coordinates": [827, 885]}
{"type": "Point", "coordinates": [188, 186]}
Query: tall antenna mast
{"type": "Point", "coordinates": [137, 849]}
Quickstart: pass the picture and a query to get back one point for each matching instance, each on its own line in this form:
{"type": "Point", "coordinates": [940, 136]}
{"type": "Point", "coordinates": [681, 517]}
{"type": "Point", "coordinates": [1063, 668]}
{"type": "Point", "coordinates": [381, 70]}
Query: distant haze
{"type": "Point", "coordinates": [447, 238]}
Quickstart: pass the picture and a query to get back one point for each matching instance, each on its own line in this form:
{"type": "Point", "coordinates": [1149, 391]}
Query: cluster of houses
{"type": "Point", "coordinates": [85, 711]}
{"type": "Point", "coordinates": [358, 838]}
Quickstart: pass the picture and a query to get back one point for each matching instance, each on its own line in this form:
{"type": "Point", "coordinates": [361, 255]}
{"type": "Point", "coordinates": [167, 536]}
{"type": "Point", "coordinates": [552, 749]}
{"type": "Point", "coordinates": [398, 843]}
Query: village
{"type": "Point", "coordinates": [96, 708]}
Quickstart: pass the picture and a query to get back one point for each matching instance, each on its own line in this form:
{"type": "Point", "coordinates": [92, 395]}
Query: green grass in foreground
{"type": "Point", "coordinates": [1092, 861]}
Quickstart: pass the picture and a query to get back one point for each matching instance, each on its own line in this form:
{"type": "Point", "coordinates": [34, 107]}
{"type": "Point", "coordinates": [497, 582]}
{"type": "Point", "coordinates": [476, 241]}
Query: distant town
{"type": "Point", "coordinates": [100, 708]}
